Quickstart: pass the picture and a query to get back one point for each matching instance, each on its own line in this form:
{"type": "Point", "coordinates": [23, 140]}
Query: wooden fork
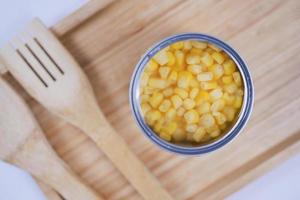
{"type": "Point", "coordinates": [49, 73]}
{"type": "Point", "coordinates": [23, 143]}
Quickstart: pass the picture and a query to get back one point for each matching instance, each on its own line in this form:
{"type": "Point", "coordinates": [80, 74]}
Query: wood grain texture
{"type": "Point", "coordinates": [109, 44]}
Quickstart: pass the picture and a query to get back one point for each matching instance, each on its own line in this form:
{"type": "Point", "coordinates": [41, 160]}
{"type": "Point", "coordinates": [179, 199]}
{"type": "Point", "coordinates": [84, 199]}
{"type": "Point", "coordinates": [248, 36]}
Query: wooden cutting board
{"type": "Point", "coordinates": [109, 41]}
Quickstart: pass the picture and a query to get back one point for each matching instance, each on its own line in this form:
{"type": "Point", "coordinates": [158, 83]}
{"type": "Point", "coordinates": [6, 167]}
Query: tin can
{"type": "Point", "coordinates": [242, 118]}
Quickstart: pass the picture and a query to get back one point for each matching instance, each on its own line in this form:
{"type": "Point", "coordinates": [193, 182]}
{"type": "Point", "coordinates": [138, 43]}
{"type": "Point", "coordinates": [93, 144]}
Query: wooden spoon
{"type": "Point", "coordinates": [23, 143]}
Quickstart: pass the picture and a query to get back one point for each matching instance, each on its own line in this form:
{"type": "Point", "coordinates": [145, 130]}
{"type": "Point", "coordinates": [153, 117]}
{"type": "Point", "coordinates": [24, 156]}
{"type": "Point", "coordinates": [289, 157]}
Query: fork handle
{"type": "Point", "coordinates": [36, 157]}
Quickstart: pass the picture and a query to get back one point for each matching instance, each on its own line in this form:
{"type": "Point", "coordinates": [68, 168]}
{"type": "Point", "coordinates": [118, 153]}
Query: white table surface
{"type": "Point", "coordinates": [282, 183]}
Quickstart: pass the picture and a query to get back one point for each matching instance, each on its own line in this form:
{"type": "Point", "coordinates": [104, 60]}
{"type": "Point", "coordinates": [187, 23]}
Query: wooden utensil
{"type": "Point", "coordinates": [50, 74]}
{"type": "Point", "coordinates": [23, 143]}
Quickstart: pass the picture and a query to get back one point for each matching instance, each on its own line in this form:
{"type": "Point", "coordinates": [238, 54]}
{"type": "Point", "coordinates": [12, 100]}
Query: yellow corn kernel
{"type": "Point", "coordinates": [187, 45]}
{"type": "Point", "coordinates": [229, 99]}
{"type": "Point", "coordinates": [216, 94]}
{"type": "Point", "coordinates": [165, 136]}
{"type": "Point", "coordinates": [229, 67]}
{"type": "Point", "coordinates": [217, 105]}
{"type": "Point", "coordinates": [184, 78]}
{"type": "Point", "coordinates": [199, 45]}
{"type": "Point", "coordinates": [191, 128]}
{"type": "Point", "coordinates": [205, 76]}
{"type": "Point", "coordinates": [189, 103]}
{"type": "Point", "coordinates": [202, 97]}
{"type": "Point", "coordinates": [195, 69]}
{"type": "Point", "coordinates": [180, 57]}
{"type": "Point", "coordinates": [220, 117]}
{"type": "Point", "coordinates": [177, 101]}
{"type": "Point", "coordinates": [206, 138]}
{"type": "Point", "coordinates": [145, 107]}
{"type": "Point", "coordinates": [181, 92]}
{"type": "Point", "coordinates": [194, 83]}
{"type": "Point", "coordinates": [239, 92]}
{"type": "Point", "coordinates": [218, 57]}
{"type": "Point", "coordinates": [161, 57]}
{"type": "Point", "coordinates": [218, 71]}
{"type": "Point", "coordinates": [230, 88]}
{"type": "Point", "coordinates": [144, 79]}
{"type": "Point", "coordinates": [170, 114]}
{"type": "Point", "coordinates": [217, 49]}
{"type": "Point", "coordinates": [170, 128]}
{"type": "Point", "coordinates": [194, 92]}
{"type": "Point", "coordinates": [151, 66]}
{"type": "Point", "coordinates": [212, 128]}
{"type": "Point", "coordinates": [180, 111]}
{"type": "Point", "coordinates": [191, 116]}
{"type": "Point", "coordinates": [156, 99]}
{"type": "Point", "coordinates": [238, 102]}
{"type": "Point", "coordinates": [164, 72]}
{"type": "Point", "coordinates": [207, 59]}
{"type": "Point", "coordinates": [171, 58]}
{"type": "Point", "coordinates": [152, 116]}
{"type": "Point", "coordinates": [179, 135]}
{"type": "Point", "coordinates": [229, 112]}
{"type": "Point", "coordinates": [209, 50]}
{"type": "Point", "coordinates": [177, 45]}
{"type": "Point", "coordinates": [196, 51]}
{"type": "Point", "coordinates": [207, 120]}
{"type": "Point", "coordinates": [199, 134]}
{"type": "Point", "coordinates": [173, 76]}
{"type": "Point", "coordinates": [215, 133]}
{"type": "Point", "coordinates": [157, 83]}
{"type": "Point", "coordinates": [208, 85]}
{"type": "Point", "coordinates": [149, 90]}
{"type": "Point", "coordinates": [144, 98]}
{"type": "Point", "coordinates": [192, 59]}
{"type": "Point", "coordinates": [237, 78]}
{"type": "Point", "coordinates": [203, 108]}
{"type": "Point", "coordinates": [165, 105]}
{"type": "Point", "coordinates": [168, 92]}
{"type": "Point", "coordinates": [227, 79]}
{"type": "Point", "coordinates": [158, 125]}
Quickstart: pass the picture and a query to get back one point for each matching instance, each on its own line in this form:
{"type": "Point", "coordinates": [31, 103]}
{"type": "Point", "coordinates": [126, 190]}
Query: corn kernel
{"type": "Point", "coordinates": [238, 102]}
{"type": "Point", "coordinates": [165, 105]}
{"type": "Point", "coordinates": [149, 90]}
{"type": "Point", "coordinates": [229, 67]}
{"type": "Point", "coordinates": [191, 128]}
{"type": "Point", "coordinates": [199, 45]}
{"type": "Point", "coordinates": [230, 88]}
{"type": "Point", "coordinates": [194, 83]}
{"type": "Point", "coordinates": [218, 71]}
{"type": "Point", "coordinates": [161, 57]}
{"type": "Point", "coordinates": [187, 45]}
{"type": "Point", "coordinates": [227, 79]}
{"type": "Point", "coordinates": [203, 108]}
{"type": "Point", "coordinates": [165, 136]}
{"type": "Point", "coordinates": [220, 118]}
{"type": "Point", "coordinates": [189, 103]}
{"type": "Point", "coordinates": [177, 101]}
{"type": "Point", "coordinates": [157, 83]}
{"type": "Point", "coordinates": [216, 94]}
{"type": "Point", "coordinates": [151, 66]}
{"type": "Point", "coordinates": [177, 45]}
{"type": "Point", "coordinates": [184, 79]}
{"type": "Point", "coordinates": [195, 69]}
{"type": "Point", "coordinates": [229, 99]}
{"type": "Point", "coordinates": [180, 111]}
{"type": "Point", "coordinates": [158, 125]}
{"type": "Point", "coordinates": [181, 92]}
{"type": "Point", "coordinates": [194, 92]}
{"type": "Point", "coordinates": [218, 57]}
{"type": "Point", "coordinates": [145, 107]}
{"type": "Point", "coordinates": [217, 49]}
{"type": "Point", "coordinates": [171, 58]}
{"type": "Point", "coordinates": [229, 112]}
{"type": "Point", "coordinates": [192, 59]}
{"type": "Point", "coordinates": [207, 120]}
{"type": "Point", "coordinates": [170, 114]}
{"type": "Point", "coordinates": [207, 59]}
{"type": "Point", "coordinates": [215, 133]}
{"type": "Point", "coordinates": [168, 92]}
{"type": "Point", "coordinates": [173, 76]}
{"type": "Point", "coordinates": [144, 79]}
{"type": "Point", "coordinates": [205, 76]}
{"type": "Point", "coordinates": [152, 116]}
{"type": "Point", "coordinates": [209, 50]}
{"type": "Point", "coordinates": [239, 92]}
{"type": "Point", "coordinates": [208, 85]}
{"type": "Point", "coordinates": [212, 128]}
{"type": "Point", "coordinates": [196, 51]}
{"type": "Point", "coordinates": [156, 99]}
{"type": "Point", "coordinates": [170, 128]}
{"type": "Point", "coordinates": [189, 137]}
{"type": "Point", "coordinates": [144, 98]}
{"type": "Point", "coordinates": [202, 97]}
{"type": "Point", "coordinates": [217, 105]}
{"type": "Point", "coordinates": [191, 116]}
{"type": "Point", "coordinates": [179, 135]}
{"type": "Point", "coordinates": [199, 134]}
{"type": "Point", "coordinates": [164, 72]}
{"type": "Point", "coordinates": [237, 78]}
{"type": "Point", "coordinates": [180, 57]}
{"type": "Point", "coordinates": [206, 138]}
